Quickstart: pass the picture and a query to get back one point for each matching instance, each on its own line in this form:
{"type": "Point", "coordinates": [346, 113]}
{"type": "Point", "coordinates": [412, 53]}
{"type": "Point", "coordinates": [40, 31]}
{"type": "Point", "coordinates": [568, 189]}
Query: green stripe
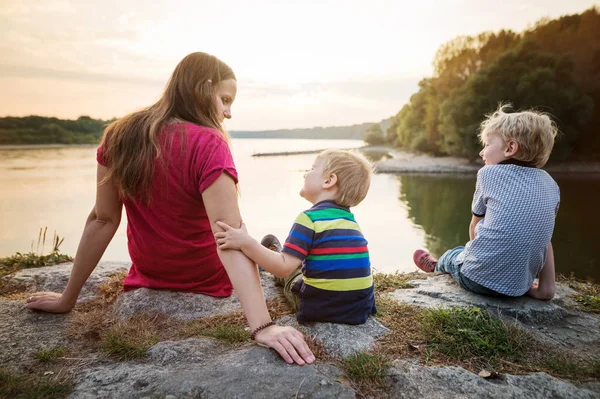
{"type": "Point", "coordinates": [329, 213]}
{"type": "Point", "coordinates": [338, 257]}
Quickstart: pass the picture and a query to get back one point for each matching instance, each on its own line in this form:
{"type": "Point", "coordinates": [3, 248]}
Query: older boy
{"type": "Point", "coordinates": [335, 283]}
{"type": "Point", "coordinates": [514, 208]}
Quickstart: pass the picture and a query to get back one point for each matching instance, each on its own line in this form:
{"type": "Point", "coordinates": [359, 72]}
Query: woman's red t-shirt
{"type": "Point", "coordinates": [170, 240]}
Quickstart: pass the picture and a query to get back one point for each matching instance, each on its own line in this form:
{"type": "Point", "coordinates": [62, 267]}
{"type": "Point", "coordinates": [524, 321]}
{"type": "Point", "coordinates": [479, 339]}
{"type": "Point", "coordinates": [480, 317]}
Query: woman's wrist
{"type": "Point", "coordinates": [261, 328]}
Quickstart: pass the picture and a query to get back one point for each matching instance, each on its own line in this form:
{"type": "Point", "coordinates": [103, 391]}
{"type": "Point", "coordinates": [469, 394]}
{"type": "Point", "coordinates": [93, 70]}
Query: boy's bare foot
{"type": "Point", "coordinates": [424, 260]}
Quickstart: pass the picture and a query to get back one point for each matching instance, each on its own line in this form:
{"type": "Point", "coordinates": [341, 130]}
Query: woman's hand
{"type": "Point", "coordinates": [231, 238]}
{"type": "Point", "coordinates": [51, 302]}
{"type": "Point", "coordinates": [288, 342]}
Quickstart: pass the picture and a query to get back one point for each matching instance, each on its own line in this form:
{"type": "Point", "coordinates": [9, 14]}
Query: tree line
{"type": "Point", "coordinates": [553, 67]}
{"type": "Point", "coordinates": [43, 130]}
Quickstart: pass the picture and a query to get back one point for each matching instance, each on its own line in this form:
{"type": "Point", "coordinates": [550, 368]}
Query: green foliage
{"type": "Point", "coordinates": [391, 281]}
{"type": "Point", "coordinates": [366, 370]}
{"type": "Point", "coordinates": [472, 333]}
{"type": "Point", "coordinates": [41, 130]}
{"type": "Point", "coordinates": [232, 334]}
{"type": "Point", "coordinates": [554, 68]}
{"type": "Point", "coordinates": [21, 386]}
{"type": "Point", "coordinates": [374, 135]}
{"type": "Point", "coordinates": [50, 355]}
{"type": "Point", "coordinates": [125, 343]}
{"type": "Point", "coordinates": [18, 261]}
{"type": "Point", "coordinates": [527, 78]}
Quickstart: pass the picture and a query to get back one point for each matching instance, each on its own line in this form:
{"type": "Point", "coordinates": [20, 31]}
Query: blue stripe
{"type": "Point", "coordinates": [340, 238]}
{"type": "Point", "coordinates": [300, 236]}
{"type": "Point", "coordinates": [336, 233]}
{"type": "Point", "coordinates": [337, 273]}
{"type": "Point", "coordinates": [337, 264]}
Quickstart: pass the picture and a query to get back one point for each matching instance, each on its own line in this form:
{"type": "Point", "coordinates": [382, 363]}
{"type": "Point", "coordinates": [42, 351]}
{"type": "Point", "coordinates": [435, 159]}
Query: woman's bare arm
{"type": "Point", "coordinates": [220, 201]}
{"type": "Point", "coordinates": [100, 227]}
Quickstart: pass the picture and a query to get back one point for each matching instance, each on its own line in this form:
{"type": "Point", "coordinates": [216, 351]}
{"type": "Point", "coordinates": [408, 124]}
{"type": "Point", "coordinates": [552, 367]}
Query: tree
{"type": "Point", "coordinates": [526, 77]}
{"type": "Point", "coordinates": [374, 135]}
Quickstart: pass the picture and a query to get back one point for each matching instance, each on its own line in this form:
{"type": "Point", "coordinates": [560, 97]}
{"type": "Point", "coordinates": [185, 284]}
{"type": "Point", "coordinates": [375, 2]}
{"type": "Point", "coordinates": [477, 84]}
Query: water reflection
{"type": "Point", "coordinates": [577, 235]}
{"type": "Point", "coordinates": [441, 205]}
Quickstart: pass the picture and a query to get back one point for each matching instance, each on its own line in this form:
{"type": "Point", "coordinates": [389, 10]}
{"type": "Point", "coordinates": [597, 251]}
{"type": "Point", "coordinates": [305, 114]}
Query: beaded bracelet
{"type": "Point", "coordinates": [258, 329]}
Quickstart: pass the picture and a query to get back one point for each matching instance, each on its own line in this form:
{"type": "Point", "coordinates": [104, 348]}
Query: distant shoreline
{"type": "Point", "coordinates": [41, 146]}
{"type": "Point", "coordinates": [395, 162]}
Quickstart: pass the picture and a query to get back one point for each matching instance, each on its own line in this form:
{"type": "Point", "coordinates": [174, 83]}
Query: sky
{"type": "Point", "coordinates": [298, 63]}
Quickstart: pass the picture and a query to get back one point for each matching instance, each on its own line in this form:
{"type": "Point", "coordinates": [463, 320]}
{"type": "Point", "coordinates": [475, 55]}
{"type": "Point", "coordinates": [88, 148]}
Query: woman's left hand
{"type": "Point", "coordinates": [51, 302]}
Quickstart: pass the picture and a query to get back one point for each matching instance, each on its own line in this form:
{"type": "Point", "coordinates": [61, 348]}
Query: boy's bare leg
{"type": "Point", "coordinates": [546, 287]}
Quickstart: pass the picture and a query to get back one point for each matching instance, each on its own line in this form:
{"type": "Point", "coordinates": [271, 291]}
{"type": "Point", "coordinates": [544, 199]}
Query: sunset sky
{"type": "Point", "coordinates": [299, 63]}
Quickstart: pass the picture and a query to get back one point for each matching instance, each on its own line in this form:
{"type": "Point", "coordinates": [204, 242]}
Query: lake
{"type": "Point", "coordinates": [56, 188]}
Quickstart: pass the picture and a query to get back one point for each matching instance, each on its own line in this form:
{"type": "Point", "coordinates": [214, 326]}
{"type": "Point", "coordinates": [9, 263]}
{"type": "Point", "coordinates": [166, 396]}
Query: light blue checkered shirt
{"type": "Point", "coordinates": [518, 205]}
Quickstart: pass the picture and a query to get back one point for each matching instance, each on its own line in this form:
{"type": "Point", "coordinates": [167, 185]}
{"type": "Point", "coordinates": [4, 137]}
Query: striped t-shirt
{"type": "Point", "coordinates": [337, 285]}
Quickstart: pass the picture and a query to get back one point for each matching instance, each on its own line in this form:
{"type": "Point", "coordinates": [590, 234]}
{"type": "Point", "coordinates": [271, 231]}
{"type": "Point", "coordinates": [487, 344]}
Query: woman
{"type": "Point", "coordinates": [170, 165]}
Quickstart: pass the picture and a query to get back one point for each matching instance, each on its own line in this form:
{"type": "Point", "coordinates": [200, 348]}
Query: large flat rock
{"type": "Point", "coordinates": [203, 368]}
{"type": "Point", "coordinates": [54, 278]}
{"type": "Point", "coordinates": [23, 333]}
{"type": "Point", "coordinates": [185, 306]}
{"type": "Point", "coordinates": [410, 380]}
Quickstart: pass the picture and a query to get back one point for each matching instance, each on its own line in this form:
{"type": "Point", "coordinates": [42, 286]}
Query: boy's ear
{"type": "Point", "coordinates": [330, 181]}
{"type": "Point", "coordinates": [511, 148]}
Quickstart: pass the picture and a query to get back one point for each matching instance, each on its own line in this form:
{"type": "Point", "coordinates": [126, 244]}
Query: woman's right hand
{"type": "Point", "coordinates": [288, 342]}
{"type": "Point", "coordinates": [51, 302]}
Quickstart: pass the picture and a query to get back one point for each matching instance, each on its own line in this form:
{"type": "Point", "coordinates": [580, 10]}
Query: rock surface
{"type": "Point", "coordinates": [201, 368]}
{"type": "Point", "coordinates": [550, 321]}
{"type": "Point", "coordinates": [415, 381]}
{"type": "Point", "coordinates": [207, 368]}
{"type": "Point", "coordinates": [181, 305]}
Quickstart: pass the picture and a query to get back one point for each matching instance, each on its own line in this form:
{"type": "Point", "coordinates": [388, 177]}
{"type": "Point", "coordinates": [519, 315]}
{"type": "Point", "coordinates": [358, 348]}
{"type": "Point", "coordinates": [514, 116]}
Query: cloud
{"type": "Point", "coordinates": [48, 73]}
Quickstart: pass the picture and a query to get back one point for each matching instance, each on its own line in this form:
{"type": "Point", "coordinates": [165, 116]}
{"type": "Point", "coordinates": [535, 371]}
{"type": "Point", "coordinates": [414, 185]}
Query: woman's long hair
{"type": "Point", "coordinates": [132, 144]}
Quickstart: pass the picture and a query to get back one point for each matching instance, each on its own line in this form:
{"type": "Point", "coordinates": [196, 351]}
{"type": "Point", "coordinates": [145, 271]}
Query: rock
{"type": "Point", "coordinates": [550, 322]}
{"type": "Point", "coordinates": [54, 278]}
{"type": "Point", "coordinates": [184, 306]}
{"type": "Point", "coordinates": [341, 340]}
{"type": "Point", "coordinates": [204, 369]}
{"type": "Point", "coordinates": [410, 380]}
{"type": "Point", "coordinates": [23, 333]}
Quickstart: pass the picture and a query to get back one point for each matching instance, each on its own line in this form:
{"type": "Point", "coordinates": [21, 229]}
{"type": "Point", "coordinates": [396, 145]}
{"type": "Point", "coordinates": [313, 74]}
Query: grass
{"type": "Point", "coordinates": [387, 282]}
{"type": "Point", "coordinates": [50, 355]}
{"type": "Point", "coordinates": [31, 259]}
{"type": "Point", "coordinates": [587, 296]}
{"type": "Point", "coordinates": [405, 337]}
{"type": "Point", "coordinates": [28, 386]}
{"type": "Point", "coordinates": [367, 372]}
{"type": "Point", "coordinates": [131, 338]}
{"type": "Point", "coordinates": [472, 334]}
{"type": "Point", "coordinates": [564, 366]}
{"type": "Point", "coordinates": [230, 334]}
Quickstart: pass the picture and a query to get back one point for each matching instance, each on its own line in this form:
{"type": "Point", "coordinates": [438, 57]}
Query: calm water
{"type": "Point", "coordinates": [56, 188]}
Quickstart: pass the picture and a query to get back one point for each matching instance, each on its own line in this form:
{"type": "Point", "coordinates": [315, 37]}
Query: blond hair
{"type": "Point", "coordinates": [133, 143]}
{"type": "Point", "coordinates": [533, 131]}
{"type": "Point", "coordinates": [353, 173]}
